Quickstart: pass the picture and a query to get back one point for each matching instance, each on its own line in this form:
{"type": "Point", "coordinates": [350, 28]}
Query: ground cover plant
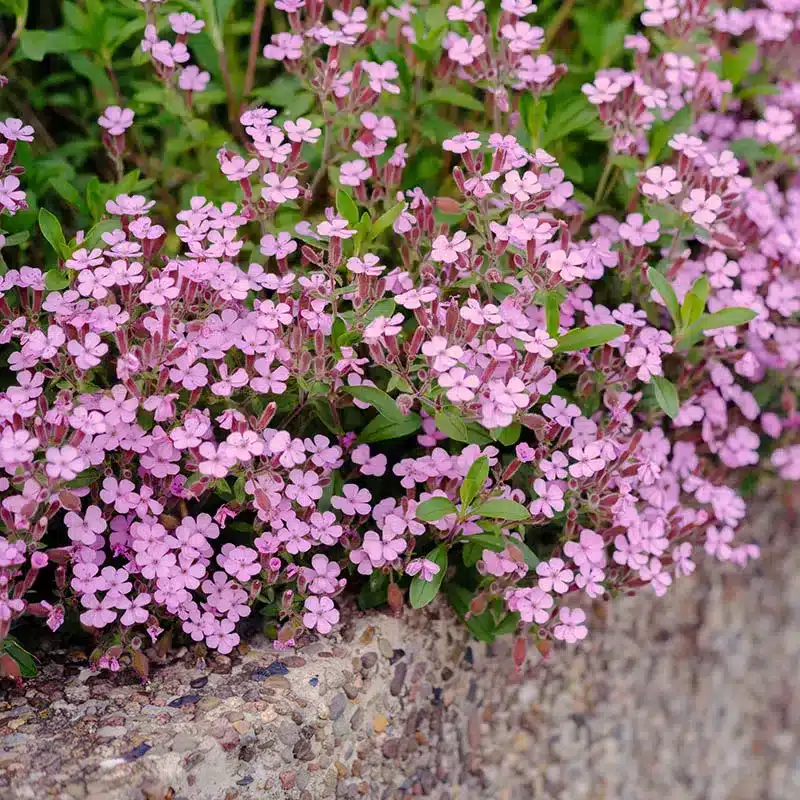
{"type": "Point", "coordinates": [300, 298]}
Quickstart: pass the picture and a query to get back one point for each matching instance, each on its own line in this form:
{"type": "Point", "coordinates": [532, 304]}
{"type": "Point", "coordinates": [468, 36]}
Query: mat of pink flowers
{"type": "Point", "coordinates": [507, 395]}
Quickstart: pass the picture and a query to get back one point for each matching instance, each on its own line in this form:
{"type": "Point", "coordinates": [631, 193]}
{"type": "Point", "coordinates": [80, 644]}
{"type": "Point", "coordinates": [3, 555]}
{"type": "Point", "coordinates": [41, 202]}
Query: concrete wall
{"type": "Point", "coordinates": [693, 696]}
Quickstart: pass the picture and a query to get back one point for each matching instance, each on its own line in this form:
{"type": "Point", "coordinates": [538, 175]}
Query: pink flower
{"type": "Point", "coordinates": [304, 488]}
{"type": "Point", "coordinates": [554, 576]}
{"type": "Point", "coordinates": [280, 190]}
{"type": "Point", "coordinates": [588, 460]}
{"type": "Point", "coordinates": [462, 142]}
{"type": "Point", "coordinates": [354, 173]}
{"type": "Point", "coordinates": [703, 208]}
{"type": "Point", "coordinates": [638, 232]}
{"type": "Point", "coordinates": [571, 628]}
{"type": "Point", "coordinates": [447, 251]}
{"type": "Point", "coordinates": [532, 604]}
{"type": "Point", "coordinates": [116, 120]}
{"type": "Point", "coordinates": [661, 182]}
{"type": "Point", "coordinates": [589, 551]}
{"type": "Point", "coordinates": [459, 385]}
{"type": "Point", "coordinates": [320, 614]}
{"type": "Point", "coordinates": [353, 500]}
{"type": "Point", "coordinates": [424, 568]}
{"type": "Point", "coordinates": [15, 130]}
{"type": "Point", "coordinates": [239, 562]}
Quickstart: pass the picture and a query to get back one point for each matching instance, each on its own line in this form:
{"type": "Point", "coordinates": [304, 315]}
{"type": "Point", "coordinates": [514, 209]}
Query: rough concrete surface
{"type": "Point", "coordinates": [689, 697]}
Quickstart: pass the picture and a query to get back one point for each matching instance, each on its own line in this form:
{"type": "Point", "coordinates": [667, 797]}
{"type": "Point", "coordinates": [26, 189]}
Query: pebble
{"type": "Point", "coordinates": [199, 683]}
{"type": "Point", "coordinates": [112, 731]}
{"type": "Point", "coordinates": [275, 668]}
{"type": "Point", "coordinates": [396, 686]}
{"type": "Point", "coordinates": [242, 726]}
{"type": "Point", "coordinates": [379, 723]}
{"type": "Point", "coordinates": [288, 733]}
{"type": "Point", "coordinates": [369, 660]}
{"type": "Point", "coordinates": [288, 779]}
{"type": "Point", "coordinates": [183, 743]}
{"type": "Point", "coordinates": [303, 751]}
{"type": "Point", "coordinates": [338, 705]}
{"type": "Point", "coordinates": [186, 700]}
{"type": "Point", "coordinates": [385, 646]}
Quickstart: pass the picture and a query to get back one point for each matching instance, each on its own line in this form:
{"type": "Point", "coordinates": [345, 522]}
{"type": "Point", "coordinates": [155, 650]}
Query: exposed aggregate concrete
{"type": "Point", "coordinates": [690, 697]}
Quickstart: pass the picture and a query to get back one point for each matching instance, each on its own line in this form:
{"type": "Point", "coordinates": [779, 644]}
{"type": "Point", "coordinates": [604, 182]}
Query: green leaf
{"type": "Point", "coordinates": [508, 435]}
{"type": "Point", "coordinates": [666, 396]}
{"type": "Point", "coordinates": [434, 509]}
{"type": "Point", "coordinates": [95, 201]}
{"type": "Point", "coordinates": [501, 508]}
{"type": "Point", "coordinates": [23, 659]}
{"type": "Point", "coordinates": [552, 311]}
{"type": "Point", "coordinates": [66, 190]}
{"type": "Point", "coordinates": [453, 97]}
{"type": "Point", "coordinates": [574, 115]}
{"type": "Point", "coordinates": [381, 429]}
{"type": "Point", "coordinates": [55, 280]}
{"type": "Point", "coordinates": [695, 301]}
{"type": "Point", "coordinates": [378, 399]}
{"type": "Point", "coordinates": [725, 318]}
{"type": "Point", "coordinates": [386, 220]}
{"type": "Point", "coordinates": [660, 283]}
{"type": "Point", "coordinates": [490, 541]}
{"type": "Point", "coordinates": [473, 482]}
{"type": "Point", "coordinates": [51, 230]}
{"type": "Point", "coordinates": [373, 592]}
{"type": "Point", "coordinates": [528, 556]}
{"type": "Point", "coordinates": [346, 207]}
{"type": "Point", "coordinates": [452, 426]}
{"type": "Point", "coordinates": [85, 478]}
{"type": "Point", "coordinates": [736, 63]}
{"type": "Point", "coordinates": [533, 113]}
{"type": "Point", "coordinates": [593, 336]}
{"type": "Point", "coordinates": [33, 44]}
{"type": "Point", "coordinates": [662, 132]}
{"type": "Point", "coordinates": [422, 592]}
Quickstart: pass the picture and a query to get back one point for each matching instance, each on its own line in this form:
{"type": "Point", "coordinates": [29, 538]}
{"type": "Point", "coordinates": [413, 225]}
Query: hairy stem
{"type": "Point", "coordinates": [255, 37]}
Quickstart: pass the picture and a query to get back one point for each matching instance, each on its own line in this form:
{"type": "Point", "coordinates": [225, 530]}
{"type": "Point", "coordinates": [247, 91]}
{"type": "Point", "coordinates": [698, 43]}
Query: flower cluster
{"type": "Point", "coordinates": [516, 394]}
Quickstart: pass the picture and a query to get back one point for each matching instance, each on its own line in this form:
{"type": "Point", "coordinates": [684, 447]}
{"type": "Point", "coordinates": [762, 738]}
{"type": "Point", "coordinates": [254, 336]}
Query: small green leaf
{"type": "Point", "coordinates": [666, 396]}
{"type": "Point", "coordinates": [51, 230]}
{"type": "Point", "coordinates": [94, 198]}
{"type": "Point", "coordinates": [378, 399]}
{"type": "Point", "coordinates": [662, 132]}
{"type": "Point", "coordinates": [695, 301]}
{"type": "Point", "coordinates": [593, 336]}
{"type": "Point", "coordinates": [422, 592]}
{"type": "Point", "coordinates": [489, 541]}
{"type": "Point", "coordinates": [85, 478]}
{"type": "Point", "coordinates": [528, 556]}
{"type": "Point", "coordinates": [664, 288]}
{"type": "Point", "coordinates": [574, 115]}
{"type": "Point", "coordinates": [346, 207]}
{"type": "Point", "coordinates": [724, 318]}
{"type": "Point", "coordinates": [736, 63]}
{"type": "Point", "coordinates": [453, 97]}
{"type": "Point", "coordinates": [552, 311]}
{"type": "Point", "coordinates": [452, 426]}
{"type": "Point", "coordinates": [55, 280]}
{"type": "Point", "coordinates": [381, 429]}
{"type": "Point", "coordinates": [434, 509]}
{"type": "Point", "coordinates": [508, 435]}
{"type": "Point", "coordinates": [501, 508]}
{"type": "Point", "coordinates": [473, 483]}
{"type": "Point", "coordinates": [23, 659]}
{"type": "Point", "coordinates": [386, 220]}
